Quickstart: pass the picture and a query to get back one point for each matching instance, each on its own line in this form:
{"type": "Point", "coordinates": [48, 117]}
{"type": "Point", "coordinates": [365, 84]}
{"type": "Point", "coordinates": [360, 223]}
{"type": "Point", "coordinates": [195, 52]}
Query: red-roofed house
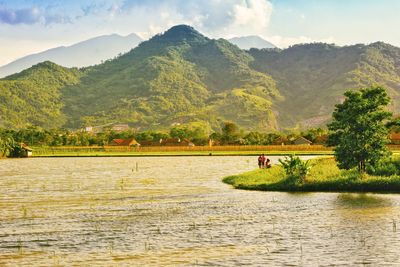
{"type": "Point", "coordinates": [395, 138]}
{"type": "Point", "coordinates": [124, 142]}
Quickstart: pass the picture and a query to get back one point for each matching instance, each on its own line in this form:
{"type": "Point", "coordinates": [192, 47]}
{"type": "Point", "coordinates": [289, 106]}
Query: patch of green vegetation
{"type": "Point", "coordinates": [324, 176]}
{"type": "Point", "coordinates": [33, 96]}
{"type": "Point", "coordinates": [181, 76]}
{"type": "Point", "coordinates": [313, 77]}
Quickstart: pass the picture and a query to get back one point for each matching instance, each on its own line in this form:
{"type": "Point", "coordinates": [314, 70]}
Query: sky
{"type": "Point", "coordinates": [31, 26]}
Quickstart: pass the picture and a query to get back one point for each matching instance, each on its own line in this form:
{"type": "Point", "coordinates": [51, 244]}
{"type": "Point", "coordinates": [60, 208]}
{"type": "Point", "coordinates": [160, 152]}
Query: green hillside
{"type": "Point", "coordinates": [181, 76]}
{"type": "Point", "coordinates": [313, 77]}
{"type": "Point", "coordinates": [32, 97]}
{"type": "Point", "coordinates": [176, 77]}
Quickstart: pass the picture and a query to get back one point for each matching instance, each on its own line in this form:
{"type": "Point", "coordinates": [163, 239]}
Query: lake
{"type": "Point", "coordinates": [169, 211]}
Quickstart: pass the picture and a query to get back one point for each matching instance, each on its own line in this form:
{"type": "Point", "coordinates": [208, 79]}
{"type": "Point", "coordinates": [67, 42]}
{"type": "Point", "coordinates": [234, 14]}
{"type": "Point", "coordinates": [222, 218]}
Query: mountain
{"type": "Point", "coordinates": [313, 77]}
{"type": "Point", "coordinates": [86, 53]}
{"type": "Point", "coordinates": [33, 96]}
{"type": "Point", "coordinates": [252, 41]}
{"type": "Point", "coordinates": [181, 76]}
{"type": "Point", "coordinates": [175, 77]}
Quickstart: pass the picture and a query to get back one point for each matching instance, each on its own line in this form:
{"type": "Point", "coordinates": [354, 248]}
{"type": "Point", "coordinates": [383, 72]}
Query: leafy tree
{"type": "Point", "coordinates": [180, 132]}
{"type": "Point", "coordinates": [197, 132]}
{"type": "Point", "coordinates": [394, 124]}
{"type": "Point", "coordinates": [230, 132]}
{"type": "Point", "coordinates": [254, 138]}
{"type": "Point", "coordinates": [358, 130]}
{"type": "Point", "coordinates": [6, 146]}
{"type": "Point", "coordinates": [313, 134]}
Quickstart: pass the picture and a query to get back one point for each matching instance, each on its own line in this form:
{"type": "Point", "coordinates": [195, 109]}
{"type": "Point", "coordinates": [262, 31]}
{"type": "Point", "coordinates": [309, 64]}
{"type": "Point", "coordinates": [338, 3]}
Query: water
{"type": "Point", "coordinates": [173, 211]}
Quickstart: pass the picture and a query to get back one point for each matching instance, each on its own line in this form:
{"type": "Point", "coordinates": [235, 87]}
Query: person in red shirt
{"type": "Point", "coordinates": [260, 161]}
{"type": "Point", "coordinates": [263, 160]}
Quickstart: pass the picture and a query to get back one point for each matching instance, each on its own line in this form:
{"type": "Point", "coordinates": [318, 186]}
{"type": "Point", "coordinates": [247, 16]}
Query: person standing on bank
{"type": "Point", "coordinates": [261, 161]}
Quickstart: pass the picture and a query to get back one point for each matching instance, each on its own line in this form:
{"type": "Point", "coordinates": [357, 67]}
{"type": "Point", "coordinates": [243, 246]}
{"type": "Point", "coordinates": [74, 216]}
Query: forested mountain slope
{"type": "Point", "coordinates": [313, 77]}
{"type": "Point", "coordinates": [33, 97]}
{"type": "Point", "coordinates": [181, 76]}
{"type": "Point", "coordinates": [175, 77]}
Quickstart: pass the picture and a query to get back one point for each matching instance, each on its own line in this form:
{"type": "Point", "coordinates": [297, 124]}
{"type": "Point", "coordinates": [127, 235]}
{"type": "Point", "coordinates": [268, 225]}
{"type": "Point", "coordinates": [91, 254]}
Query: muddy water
{"type": "Point", "coordinates": [175, 211]}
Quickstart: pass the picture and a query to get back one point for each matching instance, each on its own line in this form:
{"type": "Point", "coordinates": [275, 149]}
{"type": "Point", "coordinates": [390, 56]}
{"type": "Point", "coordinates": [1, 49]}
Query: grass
{"type": "Point", "coordinates": [113, 151]}
{"type": "Point", "coordinates": [324, 176]}
{"type": "Point", "coordinates": [179, 151]}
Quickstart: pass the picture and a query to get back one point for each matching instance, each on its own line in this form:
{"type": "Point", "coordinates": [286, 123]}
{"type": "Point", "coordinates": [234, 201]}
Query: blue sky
{"type": "Point", "coordinates": [28, 26]}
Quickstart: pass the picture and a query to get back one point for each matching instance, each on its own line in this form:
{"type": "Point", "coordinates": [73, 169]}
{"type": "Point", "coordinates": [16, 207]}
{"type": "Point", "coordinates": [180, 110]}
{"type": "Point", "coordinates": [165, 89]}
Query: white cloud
{"type": "Point", "coordinates": [252, 16]}
{"type": "Point", "coordinates": [215, 18]}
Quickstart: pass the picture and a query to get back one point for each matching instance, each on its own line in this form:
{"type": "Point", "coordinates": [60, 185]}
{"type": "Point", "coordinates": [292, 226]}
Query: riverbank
{"type": "Point", "coordinates": [324, 176]}
{"type": "Point", "coordinates": [180, 154]}
{"type": "Point", "coordinates": [179, 151]}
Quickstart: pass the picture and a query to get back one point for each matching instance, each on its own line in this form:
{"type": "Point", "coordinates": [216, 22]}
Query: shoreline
{"type": "Point", "coordinates": [323, 177]}
{"type": "Point", "coordinates": [180, 154]}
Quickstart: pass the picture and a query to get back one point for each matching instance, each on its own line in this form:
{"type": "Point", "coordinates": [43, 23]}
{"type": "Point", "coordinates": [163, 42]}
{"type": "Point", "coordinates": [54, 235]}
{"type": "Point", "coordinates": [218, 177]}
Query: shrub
{"type": "Point", "coordinates": [295, 168]}
{"type": "Point", "coordinates": [386, 167]}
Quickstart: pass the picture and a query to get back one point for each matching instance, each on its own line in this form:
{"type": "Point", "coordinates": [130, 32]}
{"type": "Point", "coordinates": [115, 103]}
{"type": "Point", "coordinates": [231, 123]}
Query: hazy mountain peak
{"type": "Point", "coordinates": [251, 41]}
{"type": "Point", "coordinates": [86, 53]}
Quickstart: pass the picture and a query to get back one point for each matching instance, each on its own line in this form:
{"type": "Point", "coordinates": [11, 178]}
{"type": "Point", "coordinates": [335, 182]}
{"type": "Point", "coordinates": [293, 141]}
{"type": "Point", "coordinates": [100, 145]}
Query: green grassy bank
{"type": "Point", "coordinates": [111, 151]}
{"type": "Point", "coordinates": [175, 153]}
{"type": "Point", "coordinates": [324, 176]}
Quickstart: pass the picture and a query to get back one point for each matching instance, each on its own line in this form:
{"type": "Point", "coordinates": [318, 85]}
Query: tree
{"type": "Point", "coordinates": [230, 132]}
{"type": "Point", "coordinates": [358, 129]}
{"type": "Point", "coordinates": [6, 146]}
{"type": "Point", "coordinates": [394, 124]}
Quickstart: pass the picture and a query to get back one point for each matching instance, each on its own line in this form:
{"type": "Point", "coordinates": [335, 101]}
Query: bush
{"type": "Point", "coordinates": [387, 167]}
{"type": "Point", "coordinates": [296, 168]}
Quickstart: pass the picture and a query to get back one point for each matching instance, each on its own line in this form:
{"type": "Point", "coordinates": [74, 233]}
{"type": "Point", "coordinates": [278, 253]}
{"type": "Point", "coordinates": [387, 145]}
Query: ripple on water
{"type": "Point", "coordinates": [175, 211]}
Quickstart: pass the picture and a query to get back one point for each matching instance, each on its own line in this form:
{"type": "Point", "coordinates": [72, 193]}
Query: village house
{"type": "Point", "coordinates": [395, 138]}
{"type": "Point", "coordinates": [149, 143]}
{"type": "Point", "coordinates": [302, 141]}
{"type": "Point", "coordinates": [120, 127]}
{"type": "Point", "coordinates": [26, 150]}
{"type": "Point", "coordinates": [321, 139]}
{"type": "Point", "coordinates": [175, 142]}
{"type": "Point", "coordinates": [124, 142]}
{"type": "Point", "coordinates": [94, 129]}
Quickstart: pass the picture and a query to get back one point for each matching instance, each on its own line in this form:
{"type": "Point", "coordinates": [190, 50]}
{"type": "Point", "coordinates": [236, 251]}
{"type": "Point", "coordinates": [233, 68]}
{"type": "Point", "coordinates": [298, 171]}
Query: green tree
{"type": "Point", "coordinates": [6, 146]}
{"type": "Point", "coordinates": [358, 130]}
{"type": "Point", "coordinates": [230, 132]}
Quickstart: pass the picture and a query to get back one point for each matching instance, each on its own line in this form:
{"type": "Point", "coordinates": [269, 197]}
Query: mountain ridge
{"type": "Point", "coordinates": [82, 54]}
{"type": "Point", "coordinates": [182, 76]}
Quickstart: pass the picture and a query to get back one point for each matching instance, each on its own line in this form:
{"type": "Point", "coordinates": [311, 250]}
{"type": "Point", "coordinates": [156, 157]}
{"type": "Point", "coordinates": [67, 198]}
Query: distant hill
{"type": "Point", "coordinates": [33, 96]}
{"type": "Point", "coordinates": [86, 53]}
{"type": "Point", "coordinates": [182, 76]}
{"type": "Point", "coordinates": [313, 77]}
{"type": "Point", "coordinates": [253, 41]}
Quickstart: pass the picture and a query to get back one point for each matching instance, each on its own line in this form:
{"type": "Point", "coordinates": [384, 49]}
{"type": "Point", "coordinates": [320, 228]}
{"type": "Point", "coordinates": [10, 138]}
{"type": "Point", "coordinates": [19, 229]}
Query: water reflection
{"type": "Point", "coordinates": [362, 201]}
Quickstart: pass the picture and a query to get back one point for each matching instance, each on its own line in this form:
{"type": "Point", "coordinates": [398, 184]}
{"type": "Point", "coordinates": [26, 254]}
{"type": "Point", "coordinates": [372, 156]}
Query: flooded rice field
{"type": "Point", "coordinates": [175, 211]}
